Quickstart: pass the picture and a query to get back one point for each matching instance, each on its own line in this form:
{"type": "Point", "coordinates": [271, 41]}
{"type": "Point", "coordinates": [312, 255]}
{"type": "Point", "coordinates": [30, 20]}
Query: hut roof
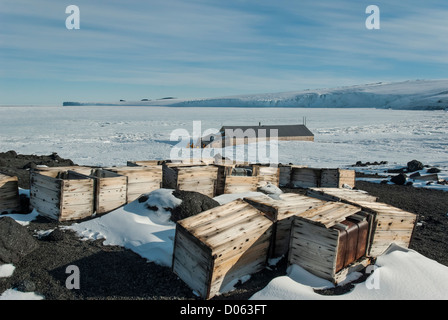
{"type": "Point", "coordinates": [296, 130]}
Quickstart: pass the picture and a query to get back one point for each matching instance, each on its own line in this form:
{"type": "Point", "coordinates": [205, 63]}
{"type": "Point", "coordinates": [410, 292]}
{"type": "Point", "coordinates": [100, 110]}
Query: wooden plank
{"type": "Point", "coordinates": [232, 239]}
{"type": "Point", "coordinates": [314, 248]}
{"type": "Point", "coordinates": [9, 193]}
{"type": "Point", "coordinates": [330, 213]}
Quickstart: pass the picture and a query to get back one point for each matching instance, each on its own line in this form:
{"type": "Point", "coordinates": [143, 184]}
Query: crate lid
{"type": "Point", "coordinates": [222, 224]}
{"type": "Point", "coordinates": [348, 195]}
{"type": "Point", "coordinates": [383, 208]}
{"type": "Point", "coordinates": [286, 205]}
{"type": "Point", "coordinates": [329, 214]}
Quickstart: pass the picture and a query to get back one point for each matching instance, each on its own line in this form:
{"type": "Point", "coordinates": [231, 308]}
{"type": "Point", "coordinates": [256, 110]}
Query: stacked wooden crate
{"type": "Point", "coordinates": [219, 246]}
{"type": "Point", "coordinates": [110, 190]}
{"type": "Point", "coordinates": [282, 211]}
{"type": "Point", "coordinates": [337, 178]}
{"type": "Point", "coordinates": [199, 178]}
{"type": "Point", "coordinates": [330, 240]}
{"type": "Point", "coordinates": [304, 177]}
{"type": "Point", "coordinates": [140, 179]}
{"type": "Point", "coordinates": [350, 196]}
{"type": "Point", "coordinates": [235, 178]}
{"type": "Point", "coordinates": [85, 170]}
{"type": "Point", "coordinates": [390, 225]}
{"type": "Point", "coordinates": [62, 195]}
{"type": "Point", "coordinates": [284, 175]}
{"type": "Point", "coordinates": [9, 193]}
{"type": "Point", "coordinates": [267, 174]}
{"type": "Point", "coordinates": [145, 163]}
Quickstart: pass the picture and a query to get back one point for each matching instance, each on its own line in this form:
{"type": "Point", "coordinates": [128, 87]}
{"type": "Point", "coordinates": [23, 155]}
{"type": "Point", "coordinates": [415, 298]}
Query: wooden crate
{"type": "Point", "coordinates": [267, 174]}
{"type": "Point", "coordinates": [79, 169]}
{"type": "Point", "coordinates": [62, 195]}
{"type": "Point", "coordinates": [223, 171]}
{"type": "Point", "coordinates": [303, 177]}
{"type": "Point", "coordinates": [145, 163]}
{"type": "Point", "coordinates": [201, 178]}
{"type": "Point", "coordinates": [110, 190]}
{"type": "Point", "coordinates": [350, 196]}
{"type": "Point", "coordinates": [286, 172]}
{"type": "Point", "coordinates": [281, 211]}
{"type": "Point", "coordinates": [316, 241]}
{"type": "Point", "coordinates": [240, 184]}
{"type": "Point", "coordinates": [337, 178]}
{"type": "Point", "coordinates": [219, 246]}
{"type": "Point", "coordinates": [235, 178]}
{"type": "Point", "coordinates": [391, 225]}
{"type": "Point", "coordinates": [9, 193]}
{"type": "Point", "coordinates": [141, 180]}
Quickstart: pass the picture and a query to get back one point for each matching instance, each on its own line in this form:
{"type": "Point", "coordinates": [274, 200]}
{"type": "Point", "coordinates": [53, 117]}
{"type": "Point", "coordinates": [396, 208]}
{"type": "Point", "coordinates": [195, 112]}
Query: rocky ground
{"type": "Point", "coordinates": [112, 273]}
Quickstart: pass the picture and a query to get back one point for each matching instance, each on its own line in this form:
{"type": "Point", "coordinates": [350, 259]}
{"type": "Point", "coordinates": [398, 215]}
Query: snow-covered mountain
{"type": "Point", "coordinates": [419, 94]}
{"type": "Point", "coordinates": [407, 95]}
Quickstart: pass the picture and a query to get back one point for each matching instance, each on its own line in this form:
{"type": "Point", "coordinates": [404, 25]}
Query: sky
{"type": "Point", "coordinates": [151, 49]}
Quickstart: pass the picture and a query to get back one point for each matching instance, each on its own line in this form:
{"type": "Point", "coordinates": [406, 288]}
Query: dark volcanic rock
{"type": "Point", "coordinates": [19, 165]}
{"type": "Point", "coordinates": [415, 165]}
{"type": "Point", "coordinates": [399, 179]}
{"type": "Point", "coordinates": [15, 241]}
{"type": "Point", "coordinates": [192, 204]}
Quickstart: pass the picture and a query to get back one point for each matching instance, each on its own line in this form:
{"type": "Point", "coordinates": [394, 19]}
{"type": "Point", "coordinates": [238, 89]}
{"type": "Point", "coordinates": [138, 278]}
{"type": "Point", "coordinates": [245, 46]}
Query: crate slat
{"type": "Point", "coordinates": [220, 245]}
{"type": "Point", "coordinates": [9, 193]}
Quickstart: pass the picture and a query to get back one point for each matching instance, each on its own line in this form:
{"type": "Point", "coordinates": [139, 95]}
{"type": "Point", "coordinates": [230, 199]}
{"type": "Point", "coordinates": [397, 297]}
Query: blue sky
{"type": "Point", "coordinates": [208, 48]}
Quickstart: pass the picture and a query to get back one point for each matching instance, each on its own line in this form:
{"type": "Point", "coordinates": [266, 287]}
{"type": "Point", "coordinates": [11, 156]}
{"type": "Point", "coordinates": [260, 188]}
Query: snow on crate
{"type": "Point", "coordinates": [137, 226]}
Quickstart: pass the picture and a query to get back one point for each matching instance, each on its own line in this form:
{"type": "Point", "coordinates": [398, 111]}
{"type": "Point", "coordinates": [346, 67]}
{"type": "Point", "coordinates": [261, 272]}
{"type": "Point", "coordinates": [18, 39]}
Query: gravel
{"type": "Point", "coordinates": [116, 273]}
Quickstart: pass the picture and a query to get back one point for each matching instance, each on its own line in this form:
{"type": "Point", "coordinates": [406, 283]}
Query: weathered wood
{"type": "Point", "coordinates": [305, 177]}
{"type": "Point", "coordinates": [281, 211]}
{"type": "Point", "coordinates": [349, 196]}
{"type": "Point", "coordinates": [220, 245]}
{"type": "Point", "coordinates": [9, 193]}
{"type": "Point", "coordinates": [199, 178]}
{"type": "Point", "coordinates": [329, 240]}
{"type": "Point", "coordinates": [140, 179]}
{"type": "Point", "coordinates": [240, 184]}
{"type": "Point", "coordinates": [337, 178]}
{"type": "Point", "coordinates": [390, 225]}
{"type": "Point", "coordinates": [110, 190]}
{"type": "Point", "coordinates": [62, 195]}
{"type": "Point", "coordinates": [145, 163]}
{"type": "Point", "coordinates": [267, 174]}
{"type": "Point", "coordinates": [80, 169]}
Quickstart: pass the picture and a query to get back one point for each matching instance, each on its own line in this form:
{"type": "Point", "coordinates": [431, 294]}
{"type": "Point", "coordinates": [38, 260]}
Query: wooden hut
{"type": "Point", "coordinates": [236, 135]}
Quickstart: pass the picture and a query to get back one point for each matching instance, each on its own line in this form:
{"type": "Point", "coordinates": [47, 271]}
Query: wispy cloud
{"type": "Point", "coordinates": [219, 47]}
